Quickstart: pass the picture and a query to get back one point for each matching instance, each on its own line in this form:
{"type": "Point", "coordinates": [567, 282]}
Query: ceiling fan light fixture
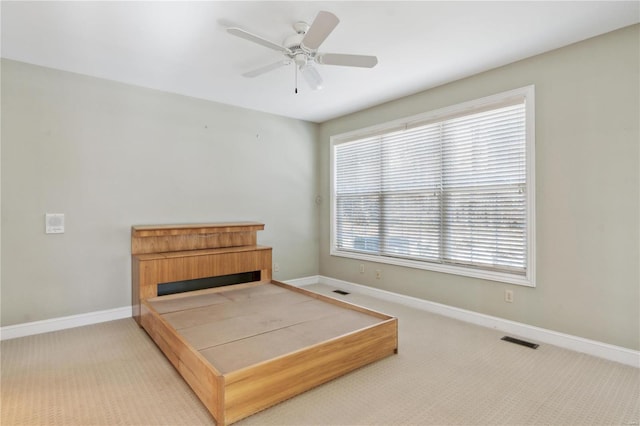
{"type": "Point", "coordinates": [312, 76]}
{"type": "Point", "coordinates": [300, 59]}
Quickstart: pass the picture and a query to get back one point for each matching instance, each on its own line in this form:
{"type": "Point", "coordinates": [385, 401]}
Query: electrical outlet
{"type": "Point", "coordinates": [276, 267]}
{"type": "Point", "coordinates": [378, 274]}
{"type": "Point", "coordinates": [362, 268]}
{"type": "Point", "coordinates": [508, 296]}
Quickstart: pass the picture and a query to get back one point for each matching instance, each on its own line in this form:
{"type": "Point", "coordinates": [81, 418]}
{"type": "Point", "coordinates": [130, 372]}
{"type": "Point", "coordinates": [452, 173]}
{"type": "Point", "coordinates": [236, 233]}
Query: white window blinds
{"type": "Point", "coordinates": [450, 191]}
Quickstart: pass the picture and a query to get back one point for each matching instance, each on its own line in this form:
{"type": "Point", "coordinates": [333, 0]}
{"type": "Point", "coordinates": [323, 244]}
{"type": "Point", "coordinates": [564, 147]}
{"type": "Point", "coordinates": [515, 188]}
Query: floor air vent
{"type": "Point", "coordinates": [344, 293]}
{"type": "Point", "coordinates": [520, 342]}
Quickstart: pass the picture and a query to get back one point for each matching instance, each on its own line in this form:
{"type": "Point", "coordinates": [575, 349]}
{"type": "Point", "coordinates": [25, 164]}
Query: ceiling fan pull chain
{"type": "Point", "coordinates": [295, 67]}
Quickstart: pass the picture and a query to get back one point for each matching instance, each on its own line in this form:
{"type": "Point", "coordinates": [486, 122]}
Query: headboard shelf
{"type": "Point", "coordinates": [192, 228]}
{"type": "Point", "coordinates": [166, 238]}
{"type": "Point", "coordinates": [170, 253]}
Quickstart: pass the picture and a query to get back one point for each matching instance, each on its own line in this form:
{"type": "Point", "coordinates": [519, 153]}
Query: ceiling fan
{"type": "Point", "coordinates": [302, 49]}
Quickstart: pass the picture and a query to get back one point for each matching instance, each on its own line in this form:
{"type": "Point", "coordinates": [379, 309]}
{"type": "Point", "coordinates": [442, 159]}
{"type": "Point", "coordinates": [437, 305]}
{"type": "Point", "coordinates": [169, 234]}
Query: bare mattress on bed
{"type": "Point", "coordinates": [244, 347]}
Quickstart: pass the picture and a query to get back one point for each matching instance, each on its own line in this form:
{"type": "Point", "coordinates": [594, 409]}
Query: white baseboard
{"type": "Point", "coordinates": [567, 341]}
{"type": "Point", "coordinates": [61, 323]}
{"type": "Point", "coordinates": [301, 282]}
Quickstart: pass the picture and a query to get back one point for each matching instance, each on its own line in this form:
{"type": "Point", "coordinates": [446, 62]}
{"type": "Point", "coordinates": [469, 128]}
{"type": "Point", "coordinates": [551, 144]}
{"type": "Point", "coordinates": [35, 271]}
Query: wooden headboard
{"type": "Point", "coordinates": [169, 253]}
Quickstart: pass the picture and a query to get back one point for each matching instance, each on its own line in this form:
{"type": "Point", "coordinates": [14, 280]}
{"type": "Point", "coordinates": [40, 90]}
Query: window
{"type": "Point", "coordinates": [450, 190]}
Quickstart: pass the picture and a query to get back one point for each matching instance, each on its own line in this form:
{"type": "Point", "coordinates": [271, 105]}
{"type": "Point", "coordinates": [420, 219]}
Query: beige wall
{"type": "Point", "coordinates": [109, 156]}
{"type": "Point", "coordinates": [587, 189]}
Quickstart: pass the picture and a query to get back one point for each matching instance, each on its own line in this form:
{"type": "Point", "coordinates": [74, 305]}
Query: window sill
{"type": "Point", "coordinates": [526, 281]}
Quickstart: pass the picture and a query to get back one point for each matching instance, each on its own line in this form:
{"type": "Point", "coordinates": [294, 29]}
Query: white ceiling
{"type": "Point", "coordinates": [182, 47]}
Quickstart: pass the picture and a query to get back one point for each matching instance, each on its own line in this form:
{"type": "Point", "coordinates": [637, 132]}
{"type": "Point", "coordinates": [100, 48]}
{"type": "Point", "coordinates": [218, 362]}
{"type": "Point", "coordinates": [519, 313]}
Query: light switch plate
{"type": "Point", "coordinates": [54, 223]}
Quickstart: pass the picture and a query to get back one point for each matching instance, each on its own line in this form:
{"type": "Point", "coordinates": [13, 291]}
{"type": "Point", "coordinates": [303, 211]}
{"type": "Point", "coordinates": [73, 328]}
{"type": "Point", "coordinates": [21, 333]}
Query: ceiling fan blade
{"type": "Point", "coordinates": [320, 29]}
{"type": "Point", "coordinates": [363, 61]}
{"type": "Point", "coordinates": [312, 76]}
{"type": "Point", "coordinates": [239, 32]}
{"type": "Point", "coordinates": [266, 68]}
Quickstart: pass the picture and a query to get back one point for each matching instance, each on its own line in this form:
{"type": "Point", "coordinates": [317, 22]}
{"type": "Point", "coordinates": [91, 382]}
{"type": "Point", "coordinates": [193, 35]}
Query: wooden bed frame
{"type": "Point", "coordinates": [245, 347]}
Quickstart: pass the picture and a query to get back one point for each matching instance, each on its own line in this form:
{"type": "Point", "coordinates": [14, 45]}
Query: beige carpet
{"type": "Point", "coordinates": [446, 372]}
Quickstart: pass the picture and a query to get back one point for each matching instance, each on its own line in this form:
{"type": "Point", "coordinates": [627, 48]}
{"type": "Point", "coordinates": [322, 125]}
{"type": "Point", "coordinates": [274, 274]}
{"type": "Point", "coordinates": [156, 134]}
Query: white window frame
{"type": "Point", "coordinates": [528, 93]}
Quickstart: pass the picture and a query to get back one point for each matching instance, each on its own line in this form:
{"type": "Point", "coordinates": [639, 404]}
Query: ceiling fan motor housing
{"type": "Point", "coordinates": [299, 54]}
